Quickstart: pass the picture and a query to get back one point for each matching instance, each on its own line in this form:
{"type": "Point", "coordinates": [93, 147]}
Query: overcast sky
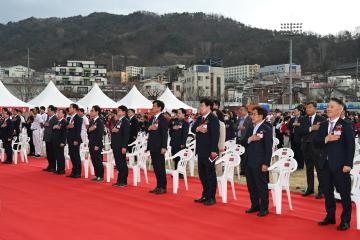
{"type": "Point", "coordinates": [321, 16]}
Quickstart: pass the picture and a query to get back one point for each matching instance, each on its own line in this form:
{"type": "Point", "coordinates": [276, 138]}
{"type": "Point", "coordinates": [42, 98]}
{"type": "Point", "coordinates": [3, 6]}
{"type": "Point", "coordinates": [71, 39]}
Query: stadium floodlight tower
{"type": "Point", "coordinates": [290, 30]}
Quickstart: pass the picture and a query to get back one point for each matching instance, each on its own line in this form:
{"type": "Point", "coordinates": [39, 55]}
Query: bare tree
{"type": "Point", "coordinates": [153, 93]}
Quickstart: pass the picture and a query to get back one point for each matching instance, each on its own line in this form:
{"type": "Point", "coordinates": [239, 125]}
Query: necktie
{"type": "Point", "coordinates": [331, 126]}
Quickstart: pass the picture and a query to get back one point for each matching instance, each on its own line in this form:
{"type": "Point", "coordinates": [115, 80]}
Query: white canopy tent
{"type": "Point", "coordinates": [96, 97]}
{"type": "Point", "coordinates": [135, 100]}
{"type": "Point", "coordinates": [51, 96]}
{"type": "Point", "coordinates": [172, 102]}
{"type": "Point", "coordinates": [10, 101]}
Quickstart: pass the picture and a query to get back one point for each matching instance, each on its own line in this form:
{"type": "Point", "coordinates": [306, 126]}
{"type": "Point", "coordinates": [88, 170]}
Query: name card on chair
{"type": "Point", "coordinates": [231, 159]}
{"type": "Point", "coordinates": [185, 154]}
{"type": "Point", "coordinates": [287, 164]}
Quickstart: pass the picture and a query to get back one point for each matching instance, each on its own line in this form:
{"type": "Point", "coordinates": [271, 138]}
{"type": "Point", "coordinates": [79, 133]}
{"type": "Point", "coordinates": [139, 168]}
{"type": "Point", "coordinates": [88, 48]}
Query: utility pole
{"type": "Point", "coordinates": [290, 29]}
{"type": "Point", "coordinates": [357, 78]}
{"type": "Point", "coordinates": [28, 62]}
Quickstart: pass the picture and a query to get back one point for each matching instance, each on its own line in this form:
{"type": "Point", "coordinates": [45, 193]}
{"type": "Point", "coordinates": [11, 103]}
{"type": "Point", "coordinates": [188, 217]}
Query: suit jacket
{"type": "Point", "coordinates": [134, 129]}
{"type": "Point", "coordinates": [259, 152]}
{"type": "Point", "coordinates": [59, 132]}
{"type": "Point", "coordinates": [48, 131]}
{"type": "Point", "coordinates": [207, 142]}
{"type": "Point", "coordinates": [158, 138]}
{"type": "Point", "coordinates": [337, 153]}
{"type": "Point", "coordinates": [305, 125]}
{"type": "Point", "coordinates": [7, 130]}
{"type": "Point", "coordinates": [295, 134]}
{"type": "Point", "coordinates": [16, 124]}
{"type": "Point", "coordinates": [96, 136]}
{"type": "Point", "coordinates": [247, 124]}
{"type": "Point", "coordinates": [74, 134]}
{"type": "Point", "coordinates": [121, 138]}
{"type": "Point", "coordinates": [179, 136]}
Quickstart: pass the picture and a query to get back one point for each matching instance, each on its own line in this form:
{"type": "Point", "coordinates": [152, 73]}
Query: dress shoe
{"type": "Point", "coordinates": [210, 202]}
{"type": "Point", "coordinates": [46, 169]}
{"type": "Point", "coordinates": [252, 210]}
{"type": "Point", "coordinates": [200, 200]}
{"type": "Point", "coordinates": [60, 172]}
{"type": "Point", "coordinates": [343, 227]}
{"type": "Point", "coordinates": [52, 170]}
{"type": "Point", "coordinates": [307, 193]}
{"type": "Point", "coordinates": [160, 191]}
{"type": "Point", "coordinates": [319, 196]}
{"type": "Point", "coordinates": [154, 190]}
{"type": "Point", "coordinates": [74, 176]}
{"type": "Point", "coordinates": [6, 162]}
{"type": "Point", "coordinates": [327, 221]}
{"type": "Point", "coordinates": [37, 156]}
{"type": "Point", "coordinates": [263, 213]}
{"type": "Point", "coordinates": [119, 185]}
{"type": "Point", "coordinates": [98, 179]}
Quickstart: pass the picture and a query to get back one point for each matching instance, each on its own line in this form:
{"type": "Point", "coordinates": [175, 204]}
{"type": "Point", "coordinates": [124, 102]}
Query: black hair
{"type": "Point", "coordinates": [52, 108]}
{"type": "Point", "coordinates": [312, 103]}
{"type": "Point", "coordinates": [132, 110]}
{"type": "Point", "coordinates": [261, 111]}
{"type": "Point", "coordinates": [219, 114]}
{"type": "Point", "coordinates": [82, 110]}
{"type": "Point", "coordinates": [97, 109]}
{"type": "Point", "coordinates": [338, 101]}
{"type": "Point", "coordinates": [159, 104]}
{"type": "Point", "coordinates": [37, 109]}
{"type": "Point", "coordinates": [216, 102]}
{"type": "Point", "coordinates": [42, 108]}
{"type": "Point", "coordinates": [182, 110]}
{"type": "Point", "coordinates": [63, 111]}
{"type": "Point", "coordinates": [207, 102]}
{"type": "Point", "coordinates": [75, 106]}
{"type": "Point", "coordinates": [123, 108]}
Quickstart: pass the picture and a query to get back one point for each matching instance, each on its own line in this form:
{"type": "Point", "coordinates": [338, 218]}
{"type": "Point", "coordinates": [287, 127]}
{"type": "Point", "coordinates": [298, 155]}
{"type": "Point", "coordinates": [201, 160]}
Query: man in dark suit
{"type": "Point", "coordinates": [51, 120]}
{"type": "Point", "coordinates": [134, 127]}
{"type": "Point", "coordinates": [120, 135]}
{"type": "Point", "coordinates": [207, 130]}
{"type": "Point", "coordinates": [308, 130]}
{"type": "Point", "coordinates": [16, 123]}
{"type": "Point", "coordinates": [243, 124]}
{"type": "Point", "coordinates": [59, 141]}
{"type": "Point", "coordinates": [95, 135]}
{"type": "Point", "coordinates": [178, 132]}
{"type": "Point", "coordinates": [74, 140]}
{"type": "Point", "coordinates": [7, 131]}
{"type": "Point", "coordinates": [157, 145]}
{"type": "Point", "coordinates": [258, 143]}
{"type": "Point", "coordinates": [278, 134]}
{"type": "Point", "coordinates": [295, 137]}
{"type": "Point", "coordinates": [336, 139]}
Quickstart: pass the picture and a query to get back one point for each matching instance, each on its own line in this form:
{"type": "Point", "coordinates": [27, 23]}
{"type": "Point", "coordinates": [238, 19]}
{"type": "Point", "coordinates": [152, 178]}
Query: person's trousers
{"type": "Point", "coordinates": [158, 162]}
{"type": "Point", "coordinates": [257, 183]}
{"type": "Point", "coordinates": [74, 153]}
{"type": "Point", "coordinates": [298, 155]}
{"type": "Point", "coordinates": [37, 141]}
{"type": "Point", "coordinates": [310, 158]}
{"type": "Point", "coordinates": [175, 150]}
{"type": "Point", "coordinates": [8, 150]}
{"type": "Point", "coordinates": [50, 154]}
{"type": "Point", "coordinates": [121, 165]}
{"type": "Point", "coordinates": [342, 182]}
{"type": "Point", "coordinates": [207, 175]}
{"type": "Point", "coordinates": [97, 162]}
{"type": "Point", "coordinates": [59, 158]}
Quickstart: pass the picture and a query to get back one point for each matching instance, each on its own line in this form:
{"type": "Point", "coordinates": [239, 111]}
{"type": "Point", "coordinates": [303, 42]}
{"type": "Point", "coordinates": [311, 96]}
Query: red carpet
{"type": "Point", "coordinates": [39, 205]}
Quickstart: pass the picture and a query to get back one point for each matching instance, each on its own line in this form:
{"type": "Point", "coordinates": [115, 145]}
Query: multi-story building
{"type": "Point", "coordinates": [279, 72]}
{"type": "Point", "coordinates": [241, 73]}
{"type": "Point", "coordinates": [18, 72]}
{"type": "Point", "coordinates": [79, 76]}
{"type": "Point", "coordinates": [203, 81]}
{"type": "Point", "coordinates": [133, 71]}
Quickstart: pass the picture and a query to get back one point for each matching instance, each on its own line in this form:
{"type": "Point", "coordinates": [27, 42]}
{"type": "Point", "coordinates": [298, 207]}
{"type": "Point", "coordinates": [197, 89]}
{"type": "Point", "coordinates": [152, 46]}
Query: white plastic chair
{"type": "Point", "coordinates": [2, 151]}
{"type": "Point", "coordinates": [355, 192]}
{"type": "Point", "coordinates": [109, 164]}
{"type": "Point", "coordinates": [192, 147]}
{"type": "Point", "coordinates": [86, 159]}
{"type": "Point", "coordinates": [228, 161]}
{"type": "Point", "coordinates": [67, 156]}
{"type": "Point", "coordinates": [285, 167]}
{"type": "Point", "coordinates": [141, 164]}
{"type": "Point", "coordinates": [230, 144]}
{"type": "Point", "coordinates": [275, 143]}
{"type": "Point", "coordinates": [185, 155]}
